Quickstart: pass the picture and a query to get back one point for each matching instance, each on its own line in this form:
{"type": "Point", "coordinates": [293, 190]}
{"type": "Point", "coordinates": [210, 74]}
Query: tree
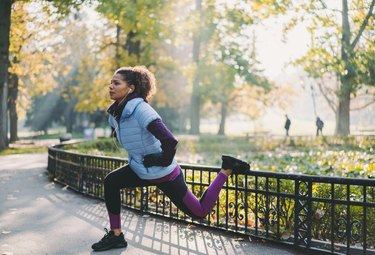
{"type": "Point", "coordinates": [143, 34]}
{"type": "Point", "coordinates": [227, 60]}
{"type": "Point", "coordinates": [339, 51]}
{"type": "Point", "coordinates": [5, 14]}
{"type": "Point", "coordinates": [170, 100]}
{"type": "Point", "coordinates": [61, 7]}
{"type": "Point", "coordinates": [140, 27]}
{"type": "Point", "coordinates": [195, 101]}
{"type": "Point", "coordinates": [12, 106]}
{"type": "Point", "coordinates": [19, 37]}
{"type": "Point", "coordinates": [91, 67]}
{"type": "Point", "coordinates": [73, 69]}
{"type": "Point", "coordinates": [36, 61]}
{"type": "Point", "coordinates": [43, 111]}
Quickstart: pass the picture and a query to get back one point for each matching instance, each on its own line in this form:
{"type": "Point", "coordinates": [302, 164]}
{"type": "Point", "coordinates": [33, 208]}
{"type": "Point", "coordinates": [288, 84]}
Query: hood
{"type": "Point", "coordinates": [131, 106]}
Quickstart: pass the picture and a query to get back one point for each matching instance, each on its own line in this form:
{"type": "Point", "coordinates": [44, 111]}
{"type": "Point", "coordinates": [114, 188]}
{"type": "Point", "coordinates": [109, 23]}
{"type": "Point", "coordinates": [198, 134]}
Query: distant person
{"type": "Point", "coordinates": [287, 125]}
{"type": "Point", "coordinates": [319, 126]}
{"type": "Point", "coordinates": [151, 150]}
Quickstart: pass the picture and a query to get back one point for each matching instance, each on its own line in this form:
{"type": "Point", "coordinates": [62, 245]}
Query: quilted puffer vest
{"type": "Point", "coordinates": [132, 134]}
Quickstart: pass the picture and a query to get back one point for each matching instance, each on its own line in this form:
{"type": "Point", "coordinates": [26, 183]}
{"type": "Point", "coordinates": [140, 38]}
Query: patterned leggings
{"type": "Point", "coordinates": [175, 189]}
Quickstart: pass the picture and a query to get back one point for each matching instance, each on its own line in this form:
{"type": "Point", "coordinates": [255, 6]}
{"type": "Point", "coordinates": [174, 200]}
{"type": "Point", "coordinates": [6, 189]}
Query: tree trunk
{"type": "Point", "coordinates": [69, 116]}
{"type": "Point", "coordinates": [12, 105]}
{"type": "Point", "coordinates": [343, 114]}
{"type": "Point", "coordinates": [224, 110]}
{"type": "Point", "coordinates": [195, 112]}
{"type": "Point", "coordinates": [117, 56]}
{"type": "Point", "coordinates": [132, 45]}
{"type": "Point", "coordinates": [69, 123]}
{"type": "Point", "coordinates": [195, 101]}
{"type": "Point", "coordinates": [5, 12]}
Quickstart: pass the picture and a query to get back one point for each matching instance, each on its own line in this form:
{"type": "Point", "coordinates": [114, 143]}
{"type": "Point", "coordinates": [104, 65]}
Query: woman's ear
{"type": "Point", "coordinates": [132, 88]}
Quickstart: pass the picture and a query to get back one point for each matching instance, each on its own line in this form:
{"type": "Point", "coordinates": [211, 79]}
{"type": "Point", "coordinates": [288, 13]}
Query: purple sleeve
{"type": "Point", "coordinates": [166, 138]}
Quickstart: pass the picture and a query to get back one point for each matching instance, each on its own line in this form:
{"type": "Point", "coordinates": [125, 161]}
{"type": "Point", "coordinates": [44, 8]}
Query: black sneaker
{"type": "Point", "coordinates": [238, 166]}
{"type": "Point", "coordinates": [110, 241]}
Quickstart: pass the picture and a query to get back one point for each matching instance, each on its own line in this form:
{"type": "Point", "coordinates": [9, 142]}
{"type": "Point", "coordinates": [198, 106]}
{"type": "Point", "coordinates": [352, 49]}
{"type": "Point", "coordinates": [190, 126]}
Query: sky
{"type": "Point", "coordinates": [275, 54]}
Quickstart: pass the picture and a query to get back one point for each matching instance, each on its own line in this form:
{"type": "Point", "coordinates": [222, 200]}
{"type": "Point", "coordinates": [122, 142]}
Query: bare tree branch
{"type": "Point", "coordinates": [330, 90]}
{"type": "Point", "coordinates": [330, 102]}
{"type": "Point", "coordinates": [363, 106]}
{"type": "Point", "coordinates": [363, 25]}
{"type": "Point", "coordinates": [323, 4]}
{"type": "Point", "coordinates": [316, 11]}
{"type": "Point", "coordinates": [106, 45]}
{"type": "Point", "coordinates": [24, 39]}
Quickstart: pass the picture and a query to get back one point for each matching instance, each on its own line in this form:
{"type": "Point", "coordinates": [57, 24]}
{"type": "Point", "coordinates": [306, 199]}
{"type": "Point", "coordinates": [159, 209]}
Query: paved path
{"type": "Point", "coordinates": [38, 216]}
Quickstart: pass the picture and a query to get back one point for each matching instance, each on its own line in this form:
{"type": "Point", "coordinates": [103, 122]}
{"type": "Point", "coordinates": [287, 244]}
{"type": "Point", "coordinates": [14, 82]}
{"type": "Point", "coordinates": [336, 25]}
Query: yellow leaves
{"type": "Point", "coordinates": [274, 169]}
{"type": "Point", "coordinates": [18, 26]}
{"type": "Point", "coordinates": [92, 93]}
{"type": "Point", "coordinates": [162, 99]}
{"type": "Point", "coordinates": [370, 169]}
{"type": "Point", "coordinates": [172, 90]}
{"type": "Point", "coordinates": [247, 100]}
{"type": "Point", "coordinates": [256, 6]}
{"type": "Point", "coordinates": [250, 222]}
{"type": "Point", "coordinates": [266, 8]}
{"type": "Point", "coordinates": [277, 96]}
{"type": "Point", "coordinates": [31, 53]}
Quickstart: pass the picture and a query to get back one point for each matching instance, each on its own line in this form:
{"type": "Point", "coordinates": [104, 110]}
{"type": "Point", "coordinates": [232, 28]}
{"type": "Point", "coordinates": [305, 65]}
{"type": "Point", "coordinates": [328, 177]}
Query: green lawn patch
{"type": "Point", "coordinates": [10, 151]}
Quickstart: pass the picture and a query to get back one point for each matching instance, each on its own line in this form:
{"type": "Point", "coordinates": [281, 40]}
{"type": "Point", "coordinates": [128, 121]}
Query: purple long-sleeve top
{"type": "Point", "coordinates": [166, 138]}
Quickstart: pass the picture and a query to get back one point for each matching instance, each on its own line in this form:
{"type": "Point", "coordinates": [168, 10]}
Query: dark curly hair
{"type": "Point", "coordinates": [143, 80]}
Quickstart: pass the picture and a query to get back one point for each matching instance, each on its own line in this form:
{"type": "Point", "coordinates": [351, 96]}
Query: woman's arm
{"type": "Point", "coordinates": [168, 145]}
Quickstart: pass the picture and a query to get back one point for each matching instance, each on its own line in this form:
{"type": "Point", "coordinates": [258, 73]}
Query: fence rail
{"type": "Point", "coordinates": [327, 214]}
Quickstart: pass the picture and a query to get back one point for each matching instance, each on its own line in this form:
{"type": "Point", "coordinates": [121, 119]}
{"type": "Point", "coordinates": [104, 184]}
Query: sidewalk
{"type": "Point", "coordinates": [40, 217]}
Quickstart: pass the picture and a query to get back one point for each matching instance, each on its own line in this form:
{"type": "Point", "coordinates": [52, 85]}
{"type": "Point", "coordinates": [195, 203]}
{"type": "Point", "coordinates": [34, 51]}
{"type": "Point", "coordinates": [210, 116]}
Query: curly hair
{"type": "Point", "coordinates": [143, 80]}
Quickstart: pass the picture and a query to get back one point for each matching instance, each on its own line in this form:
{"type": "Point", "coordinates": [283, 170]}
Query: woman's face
{"type": "Point", "coordinates": [119, 89]}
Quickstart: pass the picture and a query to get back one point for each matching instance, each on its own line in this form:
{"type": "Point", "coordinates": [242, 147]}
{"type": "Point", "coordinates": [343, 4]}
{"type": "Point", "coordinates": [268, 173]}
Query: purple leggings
{"type": "Point", "coordinates": [174, 187]}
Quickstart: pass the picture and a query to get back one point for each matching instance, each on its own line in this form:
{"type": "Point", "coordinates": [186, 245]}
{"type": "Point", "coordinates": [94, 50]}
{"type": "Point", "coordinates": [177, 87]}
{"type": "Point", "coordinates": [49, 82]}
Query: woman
{"type": "Point", "coordinates": [151, 149]}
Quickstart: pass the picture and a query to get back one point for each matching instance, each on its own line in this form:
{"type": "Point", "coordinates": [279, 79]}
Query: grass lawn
{"type": "Point", "coordinates": [10, 151]}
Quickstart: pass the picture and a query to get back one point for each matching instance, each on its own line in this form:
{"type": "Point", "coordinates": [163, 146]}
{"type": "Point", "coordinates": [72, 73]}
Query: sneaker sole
{"type": "Point", "coordinates": [117, 246]}
{"type": "Point", "coordinates": [238, 166]}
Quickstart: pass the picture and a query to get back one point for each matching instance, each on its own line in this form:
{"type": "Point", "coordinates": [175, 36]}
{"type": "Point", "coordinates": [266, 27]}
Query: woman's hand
{"type": "Point", "coordinates": [152, 159]}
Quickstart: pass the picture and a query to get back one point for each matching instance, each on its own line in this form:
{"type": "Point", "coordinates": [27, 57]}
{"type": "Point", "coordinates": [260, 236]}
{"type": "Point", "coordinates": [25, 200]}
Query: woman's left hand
{"type": "Point", "coordinates": [152, 159]}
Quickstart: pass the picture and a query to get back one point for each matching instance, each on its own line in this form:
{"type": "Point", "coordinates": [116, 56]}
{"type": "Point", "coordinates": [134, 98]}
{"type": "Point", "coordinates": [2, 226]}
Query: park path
{"type": "Point", "coordinates": [38, 216]}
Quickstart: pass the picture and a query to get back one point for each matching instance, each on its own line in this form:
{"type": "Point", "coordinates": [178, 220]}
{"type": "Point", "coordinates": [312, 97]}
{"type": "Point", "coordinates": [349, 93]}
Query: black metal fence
{"type": "Point", "coordinates": [327, 214]}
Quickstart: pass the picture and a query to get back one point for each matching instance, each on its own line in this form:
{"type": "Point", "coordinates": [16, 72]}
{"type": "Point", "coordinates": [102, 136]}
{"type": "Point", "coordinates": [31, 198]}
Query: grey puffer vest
{"type": "Point", "coordinates": [132, 134]}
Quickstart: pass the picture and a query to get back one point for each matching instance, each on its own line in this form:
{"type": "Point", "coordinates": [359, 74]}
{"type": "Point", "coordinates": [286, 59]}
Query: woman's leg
{"type": "Point", "coordinates": [113, 182]}
{"type": "Point", "coordinates": [185, 200]}
{"type": "Point", "coordinates": [123, 177]}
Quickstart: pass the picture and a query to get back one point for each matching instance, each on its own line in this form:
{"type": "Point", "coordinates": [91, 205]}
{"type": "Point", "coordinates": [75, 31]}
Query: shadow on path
{"type": "Point", "coordinates": [38, 216]}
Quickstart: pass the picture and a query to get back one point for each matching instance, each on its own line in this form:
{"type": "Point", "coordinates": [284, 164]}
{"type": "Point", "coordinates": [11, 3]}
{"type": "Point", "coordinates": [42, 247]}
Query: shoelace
{"type": "Point", "coordinates": [106, 236]}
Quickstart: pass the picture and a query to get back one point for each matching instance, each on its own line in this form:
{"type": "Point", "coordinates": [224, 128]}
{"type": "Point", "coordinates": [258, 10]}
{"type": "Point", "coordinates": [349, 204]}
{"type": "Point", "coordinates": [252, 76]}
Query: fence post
{"type": "Point", "coordinates": [144, 199]}
{"type": "Point", "coordinates": [80, 174]}
{"type": "Point", "coordinates": [51, 162]}
{"type": "Point", "coordinates": [302, 213]}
